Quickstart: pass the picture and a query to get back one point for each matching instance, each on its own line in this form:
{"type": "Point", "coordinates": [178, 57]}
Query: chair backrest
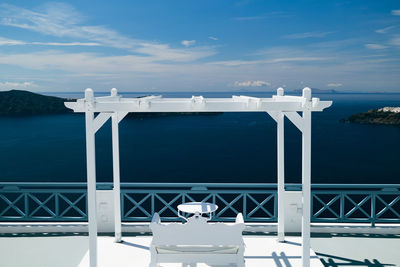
{"type": "Point", "coordinates": [197, 232]}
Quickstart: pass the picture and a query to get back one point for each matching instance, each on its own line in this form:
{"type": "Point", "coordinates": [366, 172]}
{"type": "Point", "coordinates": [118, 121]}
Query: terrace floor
{"type": "Point", "coordinates": [71, 251]}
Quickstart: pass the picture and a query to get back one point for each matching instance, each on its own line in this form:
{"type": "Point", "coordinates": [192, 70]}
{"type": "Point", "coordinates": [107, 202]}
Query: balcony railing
{"type": "Point", "coordinates": [335, 203]}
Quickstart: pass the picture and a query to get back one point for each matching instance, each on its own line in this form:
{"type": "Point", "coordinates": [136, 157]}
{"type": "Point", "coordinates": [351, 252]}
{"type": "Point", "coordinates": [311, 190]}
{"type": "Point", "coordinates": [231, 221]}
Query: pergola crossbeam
{"type": "Point", "coordinates": [296, 119]}
{"type": "Point", "coordinates": [274, 115]}
{"type": "Point", "coordinates": [121, 115]}
{"type": "Point", "coordinates": [199, 104]}
{"type": "Point", "coordinates": [100, 119]}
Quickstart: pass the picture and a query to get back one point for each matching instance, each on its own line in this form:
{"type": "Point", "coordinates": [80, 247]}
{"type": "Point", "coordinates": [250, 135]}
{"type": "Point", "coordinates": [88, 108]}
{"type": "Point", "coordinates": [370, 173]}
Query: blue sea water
{"type": "Point", "coordinates": [229, 147]}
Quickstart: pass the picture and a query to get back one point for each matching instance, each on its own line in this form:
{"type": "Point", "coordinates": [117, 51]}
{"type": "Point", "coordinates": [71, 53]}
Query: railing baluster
{"type": "Point", "coordinates": [312, 206]}
{"type": "Point", "coordinates": [56, 208]}
{"type": "Point", "coordinates": [26, 203]}
{"type": "Point", "coordinates": [275, 195]}
{"type": "Point", "coordinates": [342, 207]}
{"type": "Point", "coordinates": [373, 209]}
{"type": "Point", "coordinates": [245, 206]}
{"type": "Point", "coordinates": [152, 204]}
{"type": "Point", "coordinates": [122, 205]}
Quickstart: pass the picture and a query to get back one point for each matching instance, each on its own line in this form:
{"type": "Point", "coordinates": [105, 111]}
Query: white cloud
{"type": "Point", "coordinates": [62, 20]}
{"type": "Point", "coordinates": [10, 42]}
{"type": "Point", "coordinates": [396, 12]}
{"type": "Point", "coordinates": [334, 84]}
{"type": "Point", "coordinates": [282, 56]}
{"type": "Point", "coordinates": [237, 62]}
{"type": "Point", "coordinates": [162, 52]}
{"type": "Point", "coordinates": [81, 62]}
{"type": "Point", "coordinates": [375, 46]}
{"type": "Point", "coordinates": [213, 38]}
{"type": "Point", "coordinates": [96, 64]}
{"type": "Point", "coordinates": [385, 30]}
{"type": "Point", "coordinates": [64, 44]}
{"type": "Point", "coordinates": [16, 85]}
{"type": "Point", "coordinates": [395, 41]}
{"type": "Point", "coordinates": [55, 19]}
{"type": "Point", "coordinates": [4, 41]}
{"type": "Point", "coordinates": [296, 59]}
{"type": "Point", "coordinates": [267, 61]}
{"type": "Point", "coordinates": [188, 43]}
{"type": "Point", "coordinates": [251, 84]}
{"type": "Point", "coordinates": [305, 35]}
{"type": "Point", "coordinates": [74, 71]}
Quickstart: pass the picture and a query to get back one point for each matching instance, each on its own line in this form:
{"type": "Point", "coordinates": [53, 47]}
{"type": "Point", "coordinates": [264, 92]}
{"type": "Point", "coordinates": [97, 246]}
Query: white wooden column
{"type": "Point", "coordinates": [91, 176]}
{"type": "Point", "coordinates": [116, 178]}
{"type": "Point", "coordinates": [306, 179]}
{"type": "Point", "coordinates": [281, 171]}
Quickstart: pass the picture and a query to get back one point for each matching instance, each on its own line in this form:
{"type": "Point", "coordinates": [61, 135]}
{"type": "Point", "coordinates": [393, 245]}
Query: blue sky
{"type": "Point", "coordinates": [200, 45]}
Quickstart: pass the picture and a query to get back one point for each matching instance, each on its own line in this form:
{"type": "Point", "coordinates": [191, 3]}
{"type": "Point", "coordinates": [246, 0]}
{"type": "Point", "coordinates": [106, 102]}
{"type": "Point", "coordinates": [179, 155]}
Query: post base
{"type": "Point", "coordinates": [281, 237]}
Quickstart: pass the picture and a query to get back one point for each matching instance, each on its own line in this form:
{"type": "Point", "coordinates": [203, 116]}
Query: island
{"type": "Point", "coordinates": [16, 103]}
{"type": "Point", "coordinates": [383, 116]}
{"type": "Point", "coordinates": [25, 103]}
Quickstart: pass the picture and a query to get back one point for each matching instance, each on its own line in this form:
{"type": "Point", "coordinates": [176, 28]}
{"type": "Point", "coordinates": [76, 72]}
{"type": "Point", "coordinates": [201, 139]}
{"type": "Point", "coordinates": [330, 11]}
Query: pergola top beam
{"type": "Point", "coordinates": [279, 102]}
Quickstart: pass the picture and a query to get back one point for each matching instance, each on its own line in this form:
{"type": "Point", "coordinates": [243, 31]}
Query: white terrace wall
{"type": "Point", "coordinates": [105, 211]}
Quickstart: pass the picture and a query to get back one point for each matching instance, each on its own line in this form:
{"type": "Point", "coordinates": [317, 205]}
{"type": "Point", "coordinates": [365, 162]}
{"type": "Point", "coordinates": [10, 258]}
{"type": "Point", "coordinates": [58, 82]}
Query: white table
{"type": "Point", "coordinates": [197, 208]}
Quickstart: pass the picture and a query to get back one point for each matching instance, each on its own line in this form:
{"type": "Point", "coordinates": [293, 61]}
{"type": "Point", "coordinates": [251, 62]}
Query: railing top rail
{"type": "Point", "coordinates": [198, 186]}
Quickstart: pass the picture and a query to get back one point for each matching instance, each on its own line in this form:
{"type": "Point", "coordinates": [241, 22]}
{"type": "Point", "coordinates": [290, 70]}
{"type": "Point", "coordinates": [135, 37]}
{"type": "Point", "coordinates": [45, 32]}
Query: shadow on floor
{"type": "Point", "coordinates": [134, 245]}
{"type": "Point", "coordinates": [366, 235]}
{"type": "Point", "coordinates": [335, 261]}
{"type": "Point", "coordinates": [281, 260]}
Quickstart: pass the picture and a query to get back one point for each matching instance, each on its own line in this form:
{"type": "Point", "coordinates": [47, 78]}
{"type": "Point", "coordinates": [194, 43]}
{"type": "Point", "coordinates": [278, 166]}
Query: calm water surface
{"type": "Point", "coordinates": [230, 147]}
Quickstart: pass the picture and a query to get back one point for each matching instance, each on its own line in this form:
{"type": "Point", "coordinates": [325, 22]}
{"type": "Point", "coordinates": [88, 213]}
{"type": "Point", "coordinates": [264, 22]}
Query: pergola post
{"type": "Point", "coordinates": [281, 171]}
{"type": "Point", "coordinates": [116, 178]}
{"type": "Point", "coordinates": [306, 179]}
{"type": "Point", "coordinates": [91, 176]}
{"type": "Point", "coordinates": [116, 117]}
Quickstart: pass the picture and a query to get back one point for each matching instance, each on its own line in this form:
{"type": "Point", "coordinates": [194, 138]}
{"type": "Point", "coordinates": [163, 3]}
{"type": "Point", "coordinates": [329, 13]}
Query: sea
{"type": "Point", "coordinates": [220, 148]}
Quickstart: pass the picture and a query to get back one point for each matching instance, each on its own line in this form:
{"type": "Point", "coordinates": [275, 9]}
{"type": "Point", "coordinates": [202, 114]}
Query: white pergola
{"type": "Point", "coordinates": [279, 106]}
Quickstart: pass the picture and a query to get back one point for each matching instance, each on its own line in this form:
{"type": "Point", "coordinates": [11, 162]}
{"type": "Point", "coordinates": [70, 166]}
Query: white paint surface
{"type": "Point", "coordinates": [293, 211]}
{"type": "Point", "coordinates": [105, 211]}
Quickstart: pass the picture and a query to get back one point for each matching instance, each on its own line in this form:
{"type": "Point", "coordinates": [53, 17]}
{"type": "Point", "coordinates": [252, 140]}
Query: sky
{"type": "Point", "coordinates": [200, 46]}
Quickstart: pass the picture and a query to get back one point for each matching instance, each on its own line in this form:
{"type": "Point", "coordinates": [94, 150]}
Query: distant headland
{"type": "Point", "coordinates": [385, 116]}
{"type": "Point", "coordinates": [15, 103]}
{"type": "Point", "coordinates": [25, 103]}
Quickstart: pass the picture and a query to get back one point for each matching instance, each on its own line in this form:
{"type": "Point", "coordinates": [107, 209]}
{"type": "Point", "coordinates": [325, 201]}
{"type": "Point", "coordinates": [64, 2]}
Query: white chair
{"type": "Point", "coordinates": [197, 241]}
